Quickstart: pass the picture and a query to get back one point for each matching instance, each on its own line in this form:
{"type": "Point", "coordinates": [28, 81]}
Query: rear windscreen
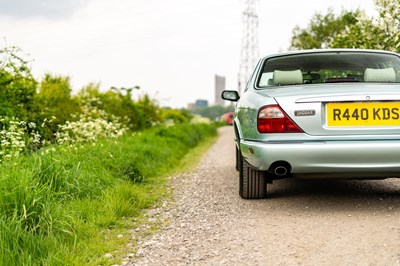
{"type": "Point", "coordinates": [329, 67]}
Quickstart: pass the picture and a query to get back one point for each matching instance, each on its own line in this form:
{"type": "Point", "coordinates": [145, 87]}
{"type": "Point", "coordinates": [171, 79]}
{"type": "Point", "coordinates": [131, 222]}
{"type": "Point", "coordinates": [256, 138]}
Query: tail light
{"type": "Point", "coordinates": [272, 119]}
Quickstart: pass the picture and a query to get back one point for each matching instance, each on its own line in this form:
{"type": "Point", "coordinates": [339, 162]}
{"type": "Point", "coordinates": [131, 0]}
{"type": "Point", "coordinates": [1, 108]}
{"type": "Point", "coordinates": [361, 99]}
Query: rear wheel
{"type": "Point", "coordinates": [252, 183]}
{"type": "Point", "coordinates": [237, 159]}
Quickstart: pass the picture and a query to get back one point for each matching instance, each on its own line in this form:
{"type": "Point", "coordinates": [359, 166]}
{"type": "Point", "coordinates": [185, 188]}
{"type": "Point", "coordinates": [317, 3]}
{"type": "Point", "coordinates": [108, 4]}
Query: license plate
{"type": "Point", "coordinates": [363, 114]}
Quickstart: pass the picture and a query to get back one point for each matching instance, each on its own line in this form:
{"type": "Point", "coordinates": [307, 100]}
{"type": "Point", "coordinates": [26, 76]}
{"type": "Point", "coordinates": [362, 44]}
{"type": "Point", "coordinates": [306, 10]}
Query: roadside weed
{"type": "Point", "coordinates": [66, 205]}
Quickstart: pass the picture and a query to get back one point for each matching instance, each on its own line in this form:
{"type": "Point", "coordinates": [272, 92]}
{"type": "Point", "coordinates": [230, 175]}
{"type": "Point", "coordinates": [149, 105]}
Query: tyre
{"type": "Point", "coordinates": [237, 159]}
{"type": "Point", "coordinates": [252, 183]}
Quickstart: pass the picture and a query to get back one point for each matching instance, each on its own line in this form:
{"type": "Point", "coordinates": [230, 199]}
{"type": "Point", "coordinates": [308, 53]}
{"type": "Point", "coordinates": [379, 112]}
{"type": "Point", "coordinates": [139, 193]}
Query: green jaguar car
{"type": "Point", "coordinates": [331, 113]}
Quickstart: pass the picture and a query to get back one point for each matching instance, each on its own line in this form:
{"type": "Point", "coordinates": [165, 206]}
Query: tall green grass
{"type": "Point", "coordinates": [55, 206]}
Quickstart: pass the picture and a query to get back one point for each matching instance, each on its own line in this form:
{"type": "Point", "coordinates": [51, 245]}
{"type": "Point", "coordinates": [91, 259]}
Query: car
{"type": "Point", "coordinates": [227, 118]}
{"type": "Point", "coordinates": [319, 114]}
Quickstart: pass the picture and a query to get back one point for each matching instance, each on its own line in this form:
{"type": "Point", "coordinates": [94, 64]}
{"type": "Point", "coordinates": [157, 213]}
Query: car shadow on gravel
{"type": "Point", "coordinates": [339, 193]}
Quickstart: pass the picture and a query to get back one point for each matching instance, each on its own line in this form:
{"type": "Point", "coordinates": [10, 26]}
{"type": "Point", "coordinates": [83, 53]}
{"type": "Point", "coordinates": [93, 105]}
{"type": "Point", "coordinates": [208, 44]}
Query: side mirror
{"type": "Point", "coordinates": [230, 96]}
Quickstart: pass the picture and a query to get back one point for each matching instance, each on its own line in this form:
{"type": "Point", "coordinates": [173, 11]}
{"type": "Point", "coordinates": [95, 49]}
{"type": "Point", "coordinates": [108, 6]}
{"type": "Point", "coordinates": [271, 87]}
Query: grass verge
{"type": "Point", "coordinates": [70, 207]}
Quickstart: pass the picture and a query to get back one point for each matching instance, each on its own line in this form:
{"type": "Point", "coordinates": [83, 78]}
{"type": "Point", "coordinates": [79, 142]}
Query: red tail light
{"type": "Point", "coordinates": [272, 119]}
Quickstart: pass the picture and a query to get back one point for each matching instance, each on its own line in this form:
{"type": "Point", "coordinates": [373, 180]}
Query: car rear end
{"type": "Point", "coordinates": [325, 114]}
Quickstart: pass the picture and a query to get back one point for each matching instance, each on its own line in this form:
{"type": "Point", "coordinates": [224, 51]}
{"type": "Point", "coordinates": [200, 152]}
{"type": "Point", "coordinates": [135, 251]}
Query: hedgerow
{"type": "Point", "coordinates": [75, 166]}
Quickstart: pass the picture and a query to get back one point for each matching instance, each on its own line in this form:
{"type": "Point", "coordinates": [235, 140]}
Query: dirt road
{"type": "Point", "coordinates": [301, 222]}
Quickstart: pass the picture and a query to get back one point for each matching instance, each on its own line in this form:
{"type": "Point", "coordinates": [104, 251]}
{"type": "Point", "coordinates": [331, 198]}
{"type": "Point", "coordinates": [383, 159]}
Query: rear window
{"type": "Point", "coordinates": [329, 67]}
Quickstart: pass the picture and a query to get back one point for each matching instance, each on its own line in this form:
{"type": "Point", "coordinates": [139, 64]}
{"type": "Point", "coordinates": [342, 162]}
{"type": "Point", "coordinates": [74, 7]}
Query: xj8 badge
{"type": "Point", "coordinates": [304, 113]}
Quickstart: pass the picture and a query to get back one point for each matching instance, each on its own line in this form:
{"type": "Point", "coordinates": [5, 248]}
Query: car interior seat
{"type": "Point", "coordinates": [290, 77]}
{"type": "Point", "coordinates": [379, 75]}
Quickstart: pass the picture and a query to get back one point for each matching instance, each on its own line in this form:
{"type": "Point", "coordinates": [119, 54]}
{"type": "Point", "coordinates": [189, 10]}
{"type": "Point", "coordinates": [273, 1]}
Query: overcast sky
{"type": "Point", "coordinates": [171, 49]}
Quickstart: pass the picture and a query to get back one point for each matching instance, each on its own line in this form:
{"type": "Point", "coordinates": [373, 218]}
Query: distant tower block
{"type": "Point", "coordinates": [219, 87]}
{"type": "Point", "coordinates": [249, 53]}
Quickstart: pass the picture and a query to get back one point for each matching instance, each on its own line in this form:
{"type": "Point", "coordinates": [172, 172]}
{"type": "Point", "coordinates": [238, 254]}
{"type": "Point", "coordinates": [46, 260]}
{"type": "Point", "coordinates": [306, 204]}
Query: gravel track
{"type": "Point", "coordinates": [302, 222]}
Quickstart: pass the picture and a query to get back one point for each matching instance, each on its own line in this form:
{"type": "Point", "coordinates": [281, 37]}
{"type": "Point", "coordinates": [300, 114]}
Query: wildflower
{"type": "Point", "coordinates": [15, 138]}
{"type": "Point", "coordinates": [92, 125]}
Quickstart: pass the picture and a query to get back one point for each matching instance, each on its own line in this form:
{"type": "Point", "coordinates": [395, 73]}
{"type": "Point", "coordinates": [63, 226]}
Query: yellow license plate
{"type": "Point", "coordinates": [363, 114]}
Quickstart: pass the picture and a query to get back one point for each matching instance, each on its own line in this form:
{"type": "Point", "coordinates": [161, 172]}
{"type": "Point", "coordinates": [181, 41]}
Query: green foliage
{"type": "Point", "coordinates": [136, 115]}
{"type": "Point", "coordinates": [17, 86]}
{"type": "Point", "coordinates": [51, 106]}
{"type": "Point", "coordinates": [55, 204]}
{"type": "Point", "coordinates": [382, 32]}
{"type": "Point", "coordinates": [56, 200]}
{"type": "Point", "coordinates": [213, 112]}
{"type": "Point", "coordinates": [17, 137]}
{"type": "Point", "coordinates": [322, 29]}
{"type": "Point", "coordinates": [149, 111]}
{"type": "Point", "coordinates": [93, 124]}
{"type": "Point", "coordinates": [175, 116]}
{"type": "Point", "coordinates": [352, 29]}
{"type": "Point", "coordinates": [54, 98]}
{"type": "Point", "coordinates": [54, 103]}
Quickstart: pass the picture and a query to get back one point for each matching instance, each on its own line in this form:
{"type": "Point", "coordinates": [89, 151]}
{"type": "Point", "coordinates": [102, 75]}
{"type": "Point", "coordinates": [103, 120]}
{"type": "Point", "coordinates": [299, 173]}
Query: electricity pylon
{"type": "Point", "coordinates": [249, 52]}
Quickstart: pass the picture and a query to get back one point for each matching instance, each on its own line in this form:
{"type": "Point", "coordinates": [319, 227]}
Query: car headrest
{"type": "Point", "coordinates": [290, 77]}
{"type": "Point", "coordinates": [380, 75]}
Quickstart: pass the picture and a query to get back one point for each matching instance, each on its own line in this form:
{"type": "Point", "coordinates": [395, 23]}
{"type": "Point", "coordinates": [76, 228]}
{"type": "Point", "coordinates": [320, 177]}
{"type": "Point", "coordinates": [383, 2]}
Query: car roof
{"type": "Point", "coordinates": [314, 51]}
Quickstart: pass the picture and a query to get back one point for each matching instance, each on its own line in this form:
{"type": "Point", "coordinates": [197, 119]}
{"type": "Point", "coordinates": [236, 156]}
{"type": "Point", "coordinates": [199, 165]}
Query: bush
{"type": "Point", "coordinates": [54, 204]}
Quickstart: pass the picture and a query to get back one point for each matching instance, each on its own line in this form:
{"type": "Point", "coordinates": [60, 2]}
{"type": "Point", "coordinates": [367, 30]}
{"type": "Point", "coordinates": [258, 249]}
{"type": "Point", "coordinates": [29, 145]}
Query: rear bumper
{"type": "Point", "coordinates": [343, 159]}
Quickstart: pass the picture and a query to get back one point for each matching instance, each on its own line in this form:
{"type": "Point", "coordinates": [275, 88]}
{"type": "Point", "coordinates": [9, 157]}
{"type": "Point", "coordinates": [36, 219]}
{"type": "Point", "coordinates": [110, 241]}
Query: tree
{"type": "Point", "coordinates": [136, 115]}
{"type": "Point", "coordinates": [322, 30]}
{"type": "Point", "coordinates": [149, 110]}
{"type": "Point", "coordinates": [352, 29]}
{"type": "Point", "coordinates": [54, 97]}
{"type": "Point", "coordinates": [382, 32]}
{"type": "Point", "coordinates": [176, 116]}
{"type": "Point", "coordinates": [54, 104]}
{"type": "Point", "coordinates": [17, 85]}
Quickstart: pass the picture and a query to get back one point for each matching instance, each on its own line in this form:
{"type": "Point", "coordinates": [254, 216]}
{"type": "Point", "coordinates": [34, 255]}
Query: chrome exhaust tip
{"type": "Point", "coordinates": [281, 171]}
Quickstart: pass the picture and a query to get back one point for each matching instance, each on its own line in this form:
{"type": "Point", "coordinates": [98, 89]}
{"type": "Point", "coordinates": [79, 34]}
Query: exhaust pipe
{"type": "Point", "coordinates": [281, 171]}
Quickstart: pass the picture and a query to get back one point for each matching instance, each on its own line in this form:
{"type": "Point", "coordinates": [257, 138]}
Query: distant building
{"type": "Point", "coordinates": [198, 104]}
{"type": "Point", "coordinates": [219, 87]}
{"type": "Point", "coordinates": [191, 106]}
{"type": "Point", "coordinates": [201, 103]}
